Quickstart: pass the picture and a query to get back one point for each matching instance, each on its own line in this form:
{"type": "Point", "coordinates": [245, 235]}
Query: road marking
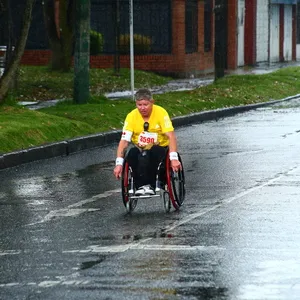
{"type": "Point", "coordinates": [73, 209]}
{"type": "Point", "coordinates": [95, 198]}
{"type": "Point", "coordinates": [45, 284]}
{"type": "Point", "coordinates": [139, 246]}
{"type": "Point", "coordinates": [10, 252]}
{"type": "Point", "coordinates": [227, 201]}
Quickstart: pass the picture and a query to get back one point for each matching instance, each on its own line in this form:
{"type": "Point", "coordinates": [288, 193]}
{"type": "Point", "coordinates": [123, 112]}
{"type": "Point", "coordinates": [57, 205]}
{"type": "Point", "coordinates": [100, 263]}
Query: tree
{"type": "Point", "coordinates": [59, 20]}
{"type": "Point", "coordinates": [82, 52]}
{"type": "Point", "coordinates": [13, 63]}
{"type": "Point", "coordinates": [220, 42]}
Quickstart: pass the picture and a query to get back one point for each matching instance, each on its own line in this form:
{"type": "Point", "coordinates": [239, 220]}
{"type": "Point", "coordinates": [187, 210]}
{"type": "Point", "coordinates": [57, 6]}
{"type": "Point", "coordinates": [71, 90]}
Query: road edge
{"type": "Point", "coordinates": [67, 147]}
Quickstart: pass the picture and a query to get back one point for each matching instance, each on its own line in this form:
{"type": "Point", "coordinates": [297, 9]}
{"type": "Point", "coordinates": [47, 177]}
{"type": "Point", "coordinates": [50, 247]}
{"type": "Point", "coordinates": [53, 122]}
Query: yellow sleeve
{"type": "Point", "coordinates": [166, 123]}
{"type": "Point", "coordinates": [128, 123]}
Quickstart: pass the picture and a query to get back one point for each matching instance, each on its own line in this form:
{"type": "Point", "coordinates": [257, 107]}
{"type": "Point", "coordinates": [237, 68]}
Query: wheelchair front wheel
{"type": "Point", "coordinates": [167, 201]}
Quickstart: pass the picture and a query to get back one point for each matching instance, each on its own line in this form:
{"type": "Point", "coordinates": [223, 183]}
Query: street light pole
{"type": "Point", "coordinates": [131, 47]}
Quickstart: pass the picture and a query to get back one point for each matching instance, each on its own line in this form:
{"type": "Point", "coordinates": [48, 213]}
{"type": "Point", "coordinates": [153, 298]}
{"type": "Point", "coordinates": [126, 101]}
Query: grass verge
{"type": "Point", "coordinates": [21, 128]}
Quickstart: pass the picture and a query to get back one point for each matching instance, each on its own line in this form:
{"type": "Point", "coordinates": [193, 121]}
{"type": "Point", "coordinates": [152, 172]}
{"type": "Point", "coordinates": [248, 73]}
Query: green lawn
{"type": "Point", "coordinates": [21, 128]}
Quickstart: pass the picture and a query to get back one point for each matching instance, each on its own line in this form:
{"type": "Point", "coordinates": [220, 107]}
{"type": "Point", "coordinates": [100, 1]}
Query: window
{"type": "Point", "coordinates": [191, 26]}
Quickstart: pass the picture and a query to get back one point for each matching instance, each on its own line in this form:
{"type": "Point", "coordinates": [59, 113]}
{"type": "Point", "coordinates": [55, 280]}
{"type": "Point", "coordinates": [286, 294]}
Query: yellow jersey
{"type": "Point", "coordinates": [159, 124]}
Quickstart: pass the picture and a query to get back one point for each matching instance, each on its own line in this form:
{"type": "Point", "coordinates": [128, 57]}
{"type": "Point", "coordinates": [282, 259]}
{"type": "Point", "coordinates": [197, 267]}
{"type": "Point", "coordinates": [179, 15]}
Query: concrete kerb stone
{"type": "Point", "coordinates": [67, 147]}
{"type": "Point", "coordinates": [93, 141]}
{"type": "Point", "coordinates": [2, 165]}
{"type": "Point", "coordinates": [63, 148]}
{"type": "Point", "coordinates": [222, 113]}
{"type": "Point", "coordinates": [16, 158]}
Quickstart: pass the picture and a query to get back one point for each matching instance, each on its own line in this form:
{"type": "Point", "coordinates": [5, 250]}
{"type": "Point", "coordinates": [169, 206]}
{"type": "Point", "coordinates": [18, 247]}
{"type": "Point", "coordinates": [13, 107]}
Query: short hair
{"type": "Point", "coordinates": [143, 94]}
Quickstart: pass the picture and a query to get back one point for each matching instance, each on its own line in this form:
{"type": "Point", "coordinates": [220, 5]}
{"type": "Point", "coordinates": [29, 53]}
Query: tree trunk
{"type": "Point", "coordinates": [12, 67]}
{"type": "Point", "coordinates": [59, 20]}
{"type": "Point", "coordinates": [53, 33]}
{"type": "Point", "coordinates": [66, 32]}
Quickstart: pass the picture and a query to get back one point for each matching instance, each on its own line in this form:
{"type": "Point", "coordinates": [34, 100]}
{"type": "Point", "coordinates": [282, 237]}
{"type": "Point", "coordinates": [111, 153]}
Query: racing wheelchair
{"type": "Point", "coordinates": [170, 186]}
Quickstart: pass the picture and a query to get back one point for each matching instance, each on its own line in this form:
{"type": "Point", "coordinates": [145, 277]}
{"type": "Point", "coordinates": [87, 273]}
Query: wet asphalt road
{"type": "Point", "coordinates": [65, 233]}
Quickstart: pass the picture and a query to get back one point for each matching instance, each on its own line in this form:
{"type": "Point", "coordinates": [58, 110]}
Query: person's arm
{"type": "Point", "coordinates": [175, 163]}
{"type": "Point", "coordinates": [172, 141]}
{"type": "Point", "coordinates": [123, 144]}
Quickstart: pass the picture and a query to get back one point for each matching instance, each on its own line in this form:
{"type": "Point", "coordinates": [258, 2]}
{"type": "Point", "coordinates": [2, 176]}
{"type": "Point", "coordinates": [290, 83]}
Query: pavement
{"type": "Point", "coordinates": [70, 146]}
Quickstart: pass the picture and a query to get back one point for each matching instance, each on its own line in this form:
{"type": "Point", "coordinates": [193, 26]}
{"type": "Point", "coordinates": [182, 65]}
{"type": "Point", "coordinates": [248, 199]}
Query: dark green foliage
{"type": "Point", "coordinates": [142, 44]}
{"type": "Point", "coordinates": [96, 44]}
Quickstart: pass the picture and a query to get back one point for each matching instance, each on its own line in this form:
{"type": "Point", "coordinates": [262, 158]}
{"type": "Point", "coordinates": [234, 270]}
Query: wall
{"type": "Point", "coordinates": [262, 31]}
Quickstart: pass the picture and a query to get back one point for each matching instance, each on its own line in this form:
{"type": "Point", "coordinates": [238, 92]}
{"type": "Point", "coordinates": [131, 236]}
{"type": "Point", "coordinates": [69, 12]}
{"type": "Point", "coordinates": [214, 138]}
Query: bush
{"type": "Point", "coordinates": [142, 44]}
{"type": "Point", "coordinates": [96, 42]}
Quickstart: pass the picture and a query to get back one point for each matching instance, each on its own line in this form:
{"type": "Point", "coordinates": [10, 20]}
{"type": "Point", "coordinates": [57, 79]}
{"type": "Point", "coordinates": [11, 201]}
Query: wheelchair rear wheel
{"type": "Point", "coordinates": [129, 203]}
{"type": "Point", "coordinates": [175, 183]}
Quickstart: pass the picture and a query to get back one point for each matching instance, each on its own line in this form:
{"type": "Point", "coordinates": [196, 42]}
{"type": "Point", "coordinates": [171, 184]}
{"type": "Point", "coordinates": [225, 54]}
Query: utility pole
{"type": "Point", "coordinates": [82, 52]}
{"type": "Point", "coordinates": [220, 42]}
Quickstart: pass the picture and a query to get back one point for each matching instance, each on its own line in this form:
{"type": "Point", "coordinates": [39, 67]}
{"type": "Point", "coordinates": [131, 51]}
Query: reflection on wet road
{"type": "Point", "coordinates": [65, 234]}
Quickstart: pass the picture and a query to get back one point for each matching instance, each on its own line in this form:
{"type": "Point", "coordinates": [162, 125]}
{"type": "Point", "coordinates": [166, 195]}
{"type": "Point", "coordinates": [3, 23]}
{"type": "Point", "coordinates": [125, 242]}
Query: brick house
{"type": "Point", "coordinates": [183, 51]}
{"type": "Point", "coordinates": [183, 34]}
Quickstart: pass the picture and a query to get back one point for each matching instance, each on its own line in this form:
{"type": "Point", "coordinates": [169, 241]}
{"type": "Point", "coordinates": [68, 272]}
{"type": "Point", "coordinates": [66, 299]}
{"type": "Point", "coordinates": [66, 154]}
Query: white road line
{"type": "Point", "coordinates": [73, 209]}
{"type": "Point", "coordinates": [45, 284]}
{"type": "Point", "coordinates": [10, 252]}
{"type": "Point", "coordinates": [227, 201]}
{"type": "Point", "coordinates": [95, 198]}
{"type": "Point", "coordinates": [69, 280]}
{"type": "Point", "coordinates": [140, 245]}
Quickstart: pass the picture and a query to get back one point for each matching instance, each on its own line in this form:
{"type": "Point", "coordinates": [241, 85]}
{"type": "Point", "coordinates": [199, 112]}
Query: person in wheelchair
{"type": "Point", "coordinates": [149, 128]}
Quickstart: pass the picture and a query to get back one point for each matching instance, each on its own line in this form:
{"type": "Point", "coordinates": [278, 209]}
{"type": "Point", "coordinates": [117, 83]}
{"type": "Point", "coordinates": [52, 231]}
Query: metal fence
{"type": "Point", "coordinates": [37, 36]}
{"type": "Point", "coordinates": [151, 18]}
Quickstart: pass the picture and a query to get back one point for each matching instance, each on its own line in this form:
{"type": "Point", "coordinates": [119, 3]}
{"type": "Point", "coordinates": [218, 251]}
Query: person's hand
{"type": "Point", "coordinates": [176, 165]}
{"type": "Point", "coordinates": [118, 171]}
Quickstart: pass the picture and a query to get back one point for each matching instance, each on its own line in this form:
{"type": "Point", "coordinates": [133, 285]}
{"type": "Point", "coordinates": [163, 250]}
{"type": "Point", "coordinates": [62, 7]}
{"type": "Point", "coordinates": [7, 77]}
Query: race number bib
{"type": "Point", "coordinates": [146, 138]}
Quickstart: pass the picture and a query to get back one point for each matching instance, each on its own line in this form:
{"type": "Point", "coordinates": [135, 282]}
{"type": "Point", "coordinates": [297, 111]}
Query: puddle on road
{"type": "Point", "coordinates": [89, 264]}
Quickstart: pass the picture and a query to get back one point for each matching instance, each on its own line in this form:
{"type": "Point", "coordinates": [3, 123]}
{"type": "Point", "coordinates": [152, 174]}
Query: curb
{"type": "Point", "coordinates": [68, 147]}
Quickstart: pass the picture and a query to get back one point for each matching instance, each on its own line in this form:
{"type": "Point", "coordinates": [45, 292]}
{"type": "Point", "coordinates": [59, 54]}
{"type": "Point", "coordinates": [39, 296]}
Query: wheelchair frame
{"type": "Point", "coordinates": [172, 192]}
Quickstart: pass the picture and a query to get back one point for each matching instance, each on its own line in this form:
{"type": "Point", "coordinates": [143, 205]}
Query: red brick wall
{"type": "Point", "coordinates": [178, 62]}
{"type": "Point", "coordinates": [36, 57]}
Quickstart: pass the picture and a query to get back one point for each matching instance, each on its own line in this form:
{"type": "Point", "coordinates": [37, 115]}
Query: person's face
{"type": "Point", "coordinates": [144, 107]}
